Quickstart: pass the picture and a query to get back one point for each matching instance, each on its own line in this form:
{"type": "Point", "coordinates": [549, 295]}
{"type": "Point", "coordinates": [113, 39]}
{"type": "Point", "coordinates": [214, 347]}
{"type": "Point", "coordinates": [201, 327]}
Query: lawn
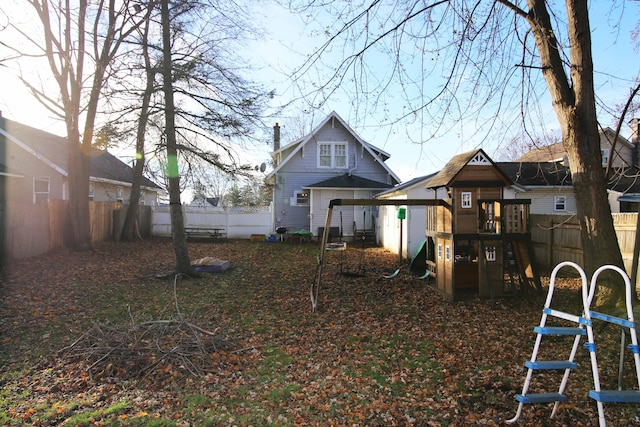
{"type": "Point", "coordinates": [378, 352]}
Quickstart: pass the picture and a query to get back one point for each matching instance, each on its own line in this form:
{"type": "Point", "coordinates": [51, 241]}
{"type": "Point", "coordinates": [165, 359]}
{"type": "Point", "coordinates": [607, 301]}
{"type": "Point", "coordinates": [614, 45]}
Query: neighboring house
{"type": "Point", "coordinates": [544, 174]}
{"type": "Point", "coordinates": [332, 162]}
{"type": "Point", "coordinates": [33, 168]}
{"type": "Point", "coordinates": [205, 202]}
{"type": "Point", "coordinates": [548, 186]}
{"type": "Point", "coordinates": [413, 226]}
{"type": "Point", "coordinates": [625, 151]}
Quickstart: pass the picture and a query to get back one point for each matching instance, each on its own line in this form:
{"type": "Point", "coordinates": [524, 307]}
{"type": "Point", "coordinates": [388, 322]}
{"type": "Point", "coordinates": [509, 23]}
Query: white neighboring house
{"type": "Point", "coordinates": [331, 162]}
{"type": "Point", "coordinates": [553, 195]}
{"type": "Point", "coordinates": [413, 226]}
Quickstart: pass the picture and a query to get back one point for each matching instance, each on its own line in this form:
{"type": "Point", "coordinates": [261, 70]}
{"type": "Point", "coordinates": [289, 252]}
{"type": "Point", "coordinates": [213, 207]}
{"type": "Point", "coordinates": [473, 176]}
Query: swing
{"type": "Point", "coordinates": [360, 271]}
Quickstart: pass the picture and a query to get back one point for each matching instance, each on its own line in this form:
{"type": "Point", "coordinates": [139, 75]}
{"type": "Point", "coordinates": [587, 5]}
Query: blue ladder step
{"type": "Point", "coordinates": [550, 364]}
{"type": "Point", "coordinates": [541, 398]}
{"type": "Point", "coordinates": [559, 330]}
{"type": "Point", "coordinates": [620, 396]}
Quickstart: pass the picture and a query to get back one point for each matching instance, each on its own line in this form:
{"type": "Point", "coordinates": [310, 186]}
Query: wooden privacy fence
{"type": "Point", "coordinates": [31, 230]}
{"type": "Point", "coordinates": [556, 238]}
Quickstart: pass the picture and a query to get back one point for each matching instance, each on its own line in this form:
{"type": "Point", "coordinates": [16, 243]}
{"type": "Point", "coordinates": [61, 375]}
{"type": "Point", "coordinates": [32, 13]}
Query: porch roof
{"type": "Point", "coordinates": [351, 182]}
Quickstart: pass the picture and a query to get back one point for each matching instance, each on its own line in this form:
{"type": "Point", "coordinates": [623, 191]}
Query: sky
{"type": "Point", "coordinates": [289, 38]}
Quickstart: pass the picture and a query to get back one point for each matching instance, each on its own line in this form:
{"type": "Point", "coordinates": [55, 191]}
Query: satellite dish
{"type": "Point", "coordinates": [263, 167]}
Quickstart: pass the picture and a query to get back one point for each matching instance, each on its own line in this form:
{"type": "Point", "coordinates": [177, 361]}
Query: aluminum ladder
{"type": "Point", "coordinates": [584, 327]}
{"type": "Point", "coordinates": [542, 330]}
{"type": "Point", "coordinates": [626, 325]}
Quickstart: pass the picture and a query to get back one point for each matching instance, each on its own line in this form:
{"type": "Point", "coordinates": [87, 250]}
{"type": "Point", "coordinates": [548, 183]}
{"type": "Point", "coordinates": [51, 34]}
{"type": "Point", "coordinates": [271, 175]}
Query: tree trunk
{"type": "Point", "coordinates": [78, 170]}
{"type": "Point", "coordinates": [130, 223]}
{"type": "Point", "coordinates": [574, 102]}
{"type": "Point", "coordinates": [183, 263]}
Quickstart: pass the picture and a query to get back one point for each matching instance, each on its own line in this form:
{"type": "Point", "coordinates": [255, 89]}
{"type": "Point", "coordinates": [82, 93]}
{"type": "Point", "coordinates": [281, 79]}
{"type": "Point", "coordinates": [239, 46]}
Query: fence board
{"type": "Point", "coordinates": [556, 238]}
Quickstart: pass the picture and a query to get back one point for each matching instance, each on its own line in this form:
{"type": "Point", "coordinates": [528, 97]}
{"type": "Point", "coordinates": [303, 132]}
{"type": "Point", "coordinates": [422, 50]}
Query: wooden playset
{"type": "Point", "coordinates": [478, 242]}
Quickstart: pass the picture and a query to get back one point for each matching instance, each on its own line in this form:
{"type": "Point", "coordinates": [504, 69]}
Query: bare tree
{"type": "Point", "coordinates": [79, 42]}
{"type": "Point", "coordinates": [476, 53]}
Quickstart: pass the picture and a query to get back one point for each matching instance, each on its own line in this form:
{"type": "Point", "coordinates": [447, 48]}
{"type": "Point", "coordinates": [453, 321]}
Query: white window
{"type": "Point", "coordinates": [560, 203]}
{"type": "Point", "coordinates": [324, 159]}
{"type": "Point", "coordinates": [142, 197]}
{"type": "Point", "coordinates": [119, 194]}
{"type": "Point", "coordinates": [301, 198]}
{"type": "Point", "coordinates": [91, 191]}
{"type": "Point", "coordinates": [41, 187]}
{"type": "Point", "coordinates": [332, 155]}
{"type": "Point", "coordinates": [605, 156]}
{"type": "Point", "coordinates": [440, 250]}
{"type": "Point", "coordinates": [447, 253]}
{"type": "Point", "coordinates": [490, 253]}
{"type": "Point", "coordinates": [466, 199]}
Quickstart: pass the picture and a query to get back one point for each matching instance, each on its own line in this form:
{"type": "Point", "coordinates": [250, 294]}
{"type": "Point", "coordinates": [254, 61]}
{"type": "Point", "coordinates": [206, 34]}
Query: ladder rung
{"type": "Point", "coordinates": [559, 330]}
{"type": "Point", "coordinates": [541, 398]}
{"type": "Point", "coordinates": [550, 364]}
{"type": "Point", "coordinates": [612, 319]}
{"type": "Point", "coordinates": [622, 396]}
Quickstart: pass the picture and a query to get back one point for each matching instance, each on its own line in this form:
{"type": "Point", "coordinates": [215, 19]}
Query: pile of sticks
{"type": "Point", "coordinates": [138, 350]}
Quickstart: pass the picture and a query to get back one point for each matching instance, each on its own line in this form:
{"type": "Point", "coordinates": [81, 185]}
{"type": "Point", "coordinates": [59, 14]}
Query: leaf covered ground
{"type": "Point", "coordinates": [378, 352]}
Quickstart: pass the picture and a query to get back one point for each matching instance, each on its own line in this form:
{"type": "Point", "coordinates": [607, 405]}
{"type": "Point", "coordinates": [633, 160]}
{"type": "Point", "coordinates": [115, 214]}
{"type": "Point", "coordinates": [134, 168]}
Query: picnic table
{"type": "Point", "coordinates": [215, 232]}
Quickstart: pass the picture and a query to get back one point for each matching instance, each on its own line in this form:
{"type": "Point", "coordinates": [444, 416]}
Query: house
{"type": "Point", "coordinates": [625, 152]}
{"type": "Point", "coordinates": [205, 202]}
{"type": "Point", "coordinates": [544, 174]}
{"type": "Point", "coordinates": [407, 234]}
{"type": "Point", "coordinates": [33, 168]}
{"type": "Point", "coordinates": [331, 162]}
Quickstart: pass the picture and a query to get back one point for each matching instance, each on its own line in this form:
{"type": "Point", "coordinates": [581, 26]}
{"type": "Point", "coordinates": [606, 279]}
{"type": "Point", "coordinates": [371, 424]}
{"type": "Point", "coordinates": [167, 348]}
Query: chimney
{"type": "Point", "coordinates": [635, 141]}
{"type": "Point", "coordinates": [276, 137]}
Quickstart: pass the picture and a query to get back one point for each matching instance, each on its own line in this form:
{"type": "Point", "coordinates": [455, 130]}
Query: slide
{"type": "Point", "coordinates": [419, 261]}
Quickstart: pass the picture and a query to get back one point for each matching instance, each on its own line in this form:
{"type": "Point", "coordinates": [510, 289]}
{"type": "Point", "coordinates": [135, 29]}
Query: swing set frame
{"type": "Point", "coordinates": [315, 285]}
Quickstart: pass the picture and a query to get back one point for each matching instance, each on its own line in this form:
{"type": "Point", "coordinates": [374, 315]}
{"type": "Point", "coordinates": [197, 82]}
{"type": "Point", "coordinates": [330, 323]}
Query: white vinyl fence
{"type": "Point", "coordinates": [238, 223]}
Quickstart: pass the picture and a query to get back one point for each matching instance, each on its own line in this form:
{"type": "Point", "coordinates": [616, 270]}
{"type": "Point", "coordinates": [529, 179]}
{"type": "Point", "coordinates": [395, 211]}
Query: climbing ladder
{"type": "Point", "coordinates": [628, 324]}
{"type": "Point", "coordinates": [582, 325]}
{"type": "Point", "coordinates": [522, 253]}
{"type": "Point", "coordinates": [576, 331]}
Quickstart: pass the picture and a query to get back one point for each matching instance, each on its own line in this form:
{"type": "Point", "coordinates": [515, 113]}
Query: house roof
{"type": "Point", "coordinates": [555, 152]}
{"type": "Point", "coordinates": [548, 153]}
{"type": "Point", "coordinates": [104, 165]}
{"type": "Point", "coordinates": [421, 181]}
{"type": "Point", "coordinates": [349, 181]}
{"type": "Point", "coordinates": [623, 181]}
{"type": "Point", "coordinates": [52, 150]}
{"type": "Point", "coordinates": [297, 145]}
{"type": "Point", "coordinates": [536, 173]}
{"type": "Point", "coordinates": [448, 173]}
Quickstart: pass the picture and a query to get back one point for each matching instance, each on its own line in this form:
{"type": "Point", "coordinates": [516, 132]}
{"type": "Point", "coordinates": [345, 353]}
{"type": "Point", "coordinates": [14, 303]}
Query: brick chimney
{"type": "Point", "coordinates": [635, 140]}
{"type": "Point", "coordinates": [276, 137]}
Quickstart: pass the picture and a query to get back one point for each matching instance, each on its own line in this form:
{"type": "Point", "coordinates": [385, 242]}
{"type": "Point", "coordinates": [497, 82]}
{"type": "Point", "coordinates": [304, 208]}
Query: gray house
{"type": "Point", "coordinates": [332, 162]}
{"type": "Point", "coordinates": [33, 169]}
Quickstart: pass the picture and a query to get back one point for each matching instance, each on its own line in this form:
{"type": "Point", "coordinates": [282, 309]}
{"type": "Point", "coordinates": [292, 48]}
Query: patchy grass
{"type": "Point", "coordinates": [378, 351]}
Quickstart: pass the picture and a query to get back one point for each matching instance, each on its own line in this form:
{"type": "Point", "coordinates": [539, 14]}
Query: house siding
{"type": "Point", "coordinates": [542, 200]}
{"type": "Point", "coordinates": [31, 167]}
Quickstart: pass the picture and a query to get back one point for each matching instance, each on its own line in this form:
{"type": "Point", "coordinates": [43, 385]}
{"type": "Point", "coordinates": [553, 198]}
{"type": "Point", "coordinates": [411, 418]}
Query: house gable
{"type": "Point", "coordinates": [624, 151]}
{"type": "Point", "coordinates": [332, 131]}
